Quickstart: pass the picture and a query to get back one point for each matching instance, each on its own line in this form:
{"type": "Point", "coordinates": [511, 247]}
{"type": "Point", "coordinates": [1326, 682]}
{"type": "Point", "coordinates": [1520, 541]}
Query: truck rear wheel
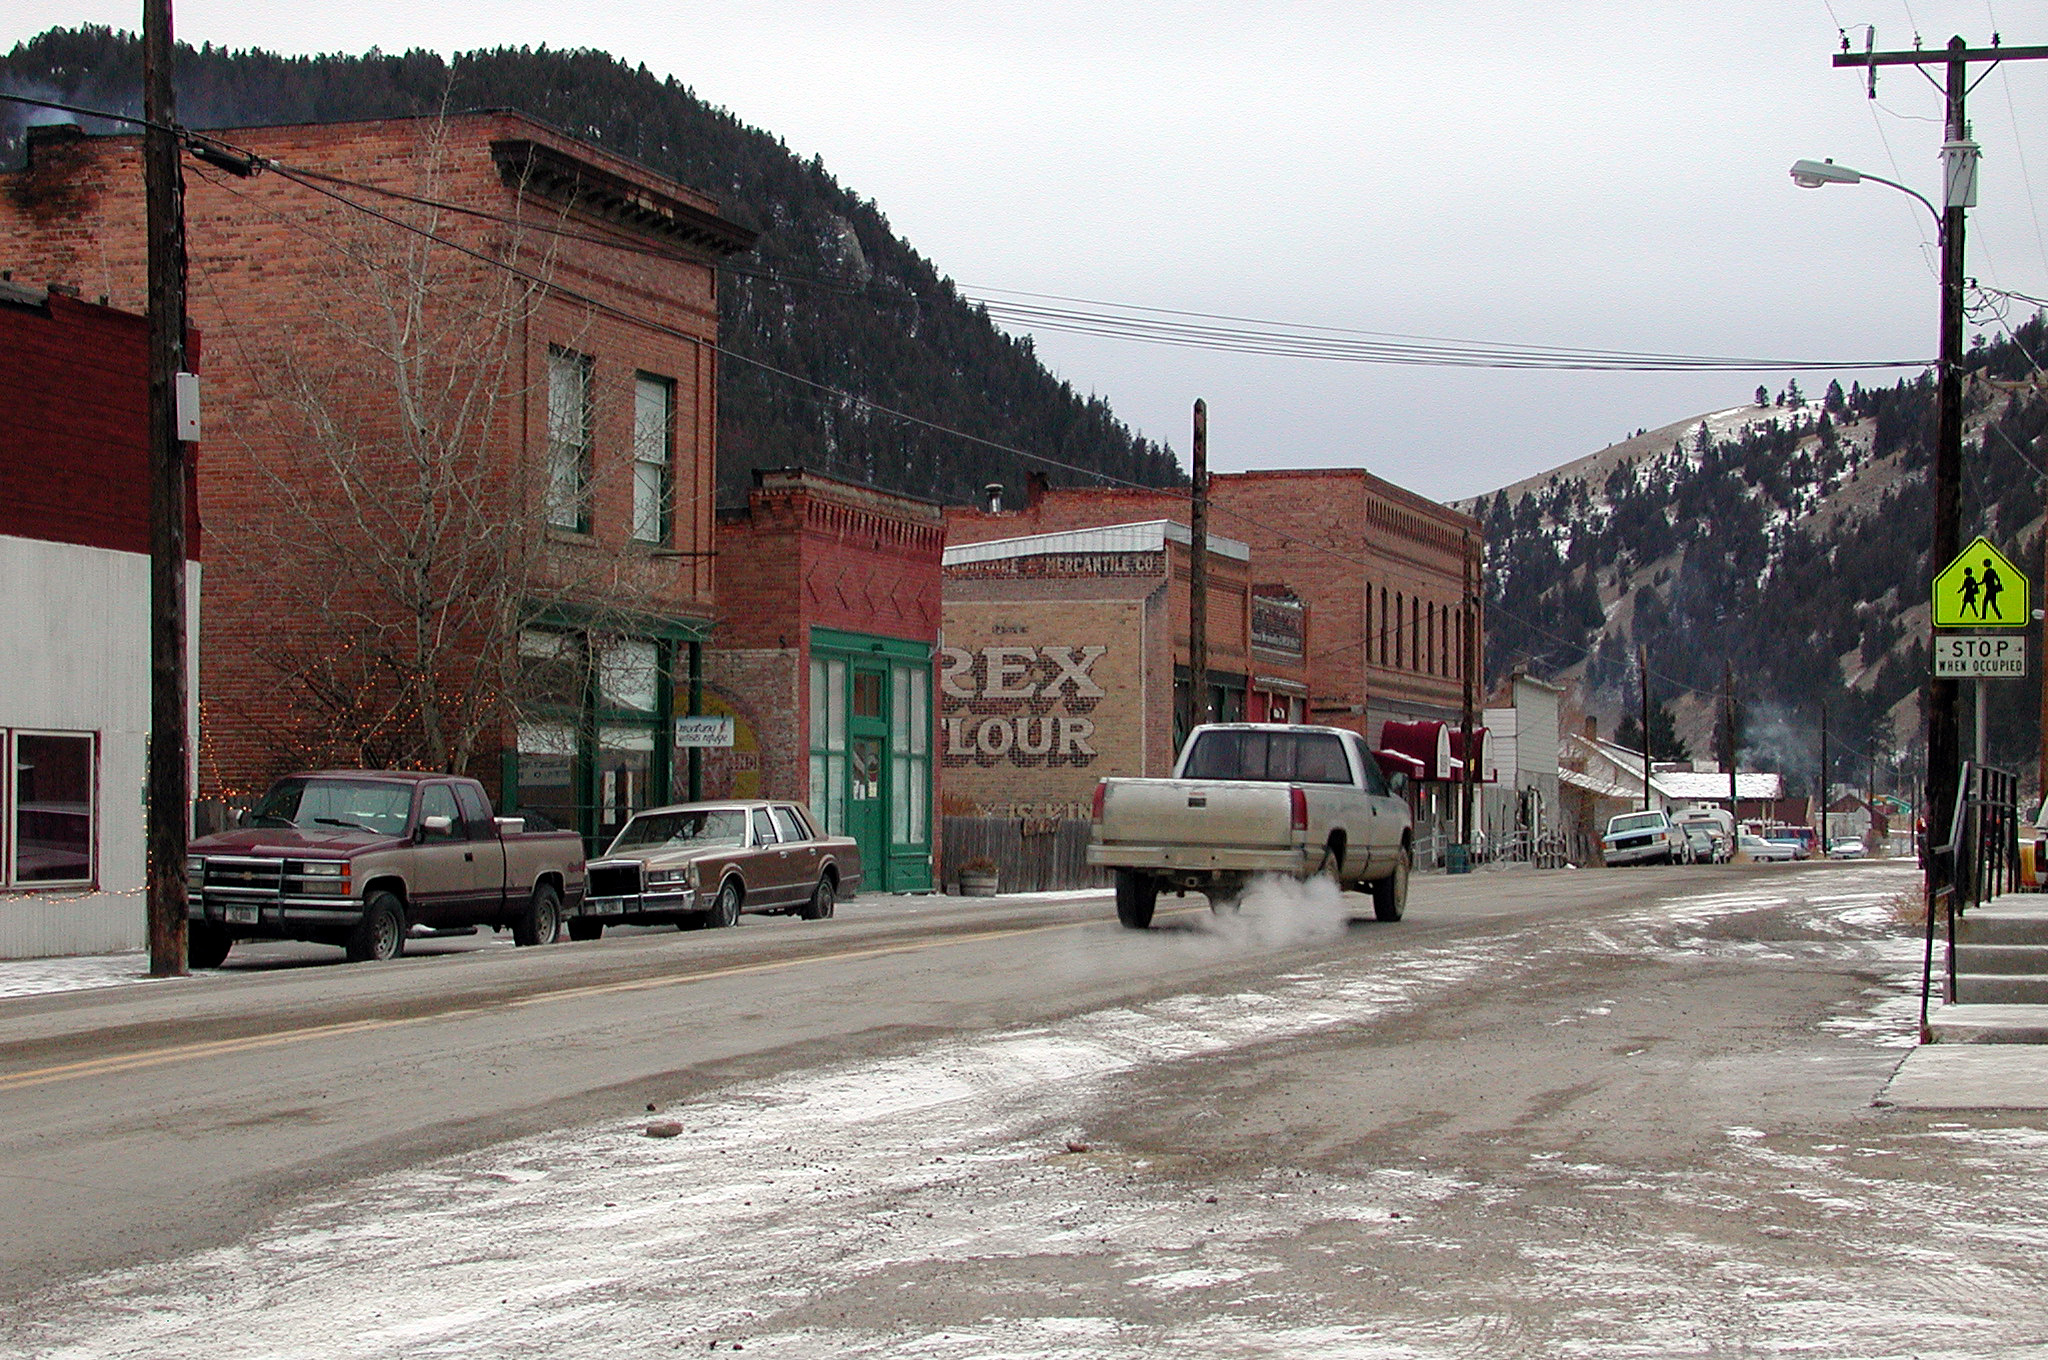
{"type": "Point", "coordinates": [1390, 894]}
{"type": "Point", "coordinates": [1136, 895]}
{"type": "Point", "coordinates": [541, 921]}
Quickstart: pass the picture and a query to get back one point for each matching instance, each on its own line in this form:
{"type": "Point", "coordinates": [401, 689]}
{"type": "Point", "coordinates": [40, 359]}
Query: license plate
{"type": "Point", "coordinates": [241, 915]}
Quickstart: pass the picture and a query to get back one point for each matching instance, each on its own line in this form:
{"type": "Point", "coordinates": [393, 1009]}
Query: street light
{"type": "Point", "coordinates": [1959, 157]}
{"type": "Point", "coordinates": [1816, 174]}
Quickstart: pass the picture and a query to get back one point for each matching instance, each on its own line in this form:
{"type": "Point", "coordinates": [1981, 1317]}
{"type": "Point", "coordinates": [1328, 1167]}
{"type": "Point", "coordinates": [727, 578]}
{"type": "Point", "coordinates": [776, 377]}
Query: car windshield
{"type": "Point", "coordinates": [694, 828]}
{"type": "Point", "coordinates": [1638, 821]}
{"type": "Point", "coordinates": [378, 806]}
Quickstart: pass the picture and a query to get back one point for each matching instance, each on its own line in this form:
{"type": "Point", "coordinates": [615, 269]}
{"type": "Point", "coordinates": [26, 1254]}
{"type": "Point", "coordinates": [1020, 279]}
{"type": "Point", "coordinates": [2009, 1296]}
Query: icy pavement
{"type": "Point", "coordinates": [957, 1200]}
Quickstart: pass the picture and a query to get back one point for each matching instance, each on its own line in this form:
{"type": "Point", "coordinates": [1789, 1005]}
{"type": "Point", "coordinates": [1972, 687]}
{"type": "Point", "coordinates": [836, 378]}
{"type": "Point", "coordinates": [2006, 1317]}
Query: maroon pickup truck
{"type": "Point", "coordinates": [357, 858]}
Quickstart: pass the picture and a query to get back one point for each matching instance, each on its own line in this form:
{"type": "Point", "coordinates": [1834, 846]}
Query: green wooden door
{"type": "Point", "coordinates": [867, 746]}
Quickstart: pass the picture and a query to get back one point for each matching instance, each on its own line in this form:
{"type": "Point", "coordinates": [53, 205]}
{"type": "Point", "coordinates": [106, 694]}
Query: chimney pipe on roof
{"type": "Point", "coordinates": [992, 497]}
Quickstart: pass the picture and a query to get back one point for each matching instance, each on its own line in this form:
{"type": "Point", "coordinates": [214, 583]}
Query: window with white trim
{"type": "Point", "coordinates": [569, 438]}
{"type": "Point", "coordinates": [654, 432]}
{"type": "Point", "coordinates": [49, 808]}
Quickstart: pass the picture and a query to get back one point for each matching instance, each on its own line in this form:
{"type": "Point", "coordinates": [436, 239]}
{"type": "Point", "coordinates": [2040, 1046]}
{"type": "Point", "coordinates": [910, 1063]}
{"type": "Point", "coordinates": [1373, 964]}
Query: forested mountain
{"type": "Point", "coordinates": [830, 293]}
{"type": "Point", "coordinates": [1783, 541]}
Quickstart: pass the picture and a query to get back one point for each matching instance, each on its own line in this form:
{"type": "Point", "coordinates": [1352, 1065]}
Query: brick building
{"type": "Point", "coordinates": [828, 618]}
{"type": "Point", "coordinates": [1381, 569]}
{"type": "Point", "coordinates": [447, 488]}
{"type": "Point", "coordinates": [1062, 650]}
{"type": "Point", "coordinates": [75, 648]}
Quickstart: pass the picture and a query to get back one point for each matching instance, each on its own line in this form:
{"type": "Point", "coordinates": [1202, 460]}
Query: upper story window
{"type": "Point", "coordinates": [654, 433]}
{"type": "Point", "coordinates": [569, 439]}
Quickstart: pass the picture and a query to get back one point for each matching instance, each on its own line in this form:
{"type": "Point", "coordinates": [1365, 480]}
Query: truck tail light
{"type": "Point", "coordinates": [1297, 806]}
{"type": "Point", "coordinates": [1101, 789]}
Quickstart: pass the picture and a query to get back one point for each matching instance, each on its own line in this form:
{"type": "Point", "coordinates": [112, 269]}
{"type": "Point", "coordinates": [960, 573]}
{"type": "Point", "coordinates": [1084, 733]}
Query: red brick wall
{"type": "Point", "coordinates": [74, 421]}
{"type": "Point", "coordinates": [277, 281]}
{"type": "Point", "coordinates": [1339, 537]}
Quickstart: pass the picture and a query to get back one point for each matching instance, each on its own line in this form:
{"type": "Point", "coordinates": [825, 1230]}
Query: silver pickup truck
{"type": "Point", "coordinates": [1255, 798]}
{"type": "Point", "coordinates": [359, 857]}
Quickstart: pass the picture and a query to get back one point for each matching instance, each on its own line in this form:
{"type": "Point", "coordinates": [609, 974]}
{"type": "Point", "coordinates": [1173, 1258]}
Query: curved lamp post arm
{"type": "Point", "coordinates": [1814, 174]}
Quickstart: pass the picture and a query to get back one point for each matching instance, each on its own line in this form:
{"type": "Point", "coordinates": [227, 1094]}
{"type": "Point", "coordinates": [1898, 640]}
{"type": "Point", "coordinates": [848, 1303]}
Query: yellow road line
{"type": "Point", "coordinates": [92, 1067]}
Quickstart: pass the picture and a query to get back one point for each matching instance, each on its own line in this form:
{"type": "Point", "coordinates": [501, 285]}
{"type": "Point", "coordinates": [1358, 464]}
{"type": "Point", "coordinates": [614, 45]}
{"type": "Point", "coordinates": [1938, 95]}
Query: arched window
{"type": "Point", "coordinates": [1400, 629]}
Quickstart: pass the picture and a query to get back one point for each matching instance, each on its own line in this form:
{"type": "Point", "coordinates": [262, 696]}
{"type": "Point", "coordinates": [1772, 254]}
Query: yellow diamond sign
{"type": "Point", "coordinates": [1981, 589]}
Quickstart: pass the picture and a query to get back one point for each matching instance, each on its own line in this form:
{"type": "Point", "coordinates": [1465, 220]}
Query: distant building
{"type": "Point", "coordinates": [829, 620]}
{"type": "Point", "coordinates": [1066, 660]}
{"type": "Point", "coordinates": [75, 648]}
{"type": "Point", "coordinates": [1523, 722]}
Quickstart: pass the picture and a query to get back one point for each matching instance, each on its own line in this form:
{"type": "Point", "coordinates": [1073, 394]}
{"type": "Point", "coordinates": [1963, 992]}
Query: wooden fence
{"type": "Point", "coordinates": [1054, 856]}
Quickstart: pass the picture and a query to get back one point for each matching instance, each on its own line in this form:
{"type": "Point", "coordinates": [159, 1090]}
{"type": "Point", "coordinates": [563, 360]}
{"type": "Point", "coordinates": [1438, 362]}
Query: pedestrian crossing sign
{"type": "Point", "coordinates": [1981, 589]}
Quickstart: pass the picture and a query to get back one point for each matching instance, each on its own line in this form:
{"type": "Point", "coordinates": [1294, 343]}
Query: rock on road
{"type": "Point", "coordinates": [1599, 1114]}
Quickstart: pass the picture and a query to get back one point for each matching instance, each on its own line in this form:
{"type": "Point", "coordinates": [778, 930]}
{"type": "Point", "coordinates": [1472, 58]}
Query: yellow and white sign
{"type": "Point", "coordinates": [1981, 589]}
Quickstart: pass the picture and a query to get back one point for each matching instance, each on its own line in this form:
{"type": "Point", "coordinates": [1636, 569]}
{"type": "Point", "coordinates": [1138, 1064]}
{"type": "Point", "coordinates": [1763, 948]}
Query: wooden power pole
{"type": "Point", "coordinates": [1468, 652]}
{"type": "Point", "coordinates": [1820, 833]}
{"type": "Point", "coordinates": [1643, 677]}
{"type": "Point", "coordinates": [1198, 575]}
{"type": "Point", "coordinates": [169, 780]}
{"type": "Point", "coordinates": [1944, 735]}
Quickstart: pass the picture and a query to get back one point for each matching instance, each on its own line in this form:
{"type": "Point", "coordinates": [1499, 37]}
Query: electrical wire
{"type": "Point", "coordinates": [312, 182]}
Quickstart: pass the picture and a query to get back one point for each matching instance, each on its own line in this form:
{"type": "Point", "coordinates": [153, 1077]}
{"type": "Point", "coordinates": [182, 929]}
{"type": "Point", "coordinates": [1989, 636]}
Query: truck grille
{"type": "Point", "coordinates": [614, 880]}
{"type": "Point", "coordinates": [244, 877]}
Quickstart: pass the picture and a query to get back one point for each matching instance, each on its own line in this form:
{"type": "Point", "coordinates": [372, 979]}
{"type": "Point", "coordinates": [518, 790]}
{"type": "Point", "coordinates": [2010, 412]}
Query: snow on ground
{"type": "Point", "coordinates": [916, 1171]}
{"type": "Point", "coordinates": [35, 977]}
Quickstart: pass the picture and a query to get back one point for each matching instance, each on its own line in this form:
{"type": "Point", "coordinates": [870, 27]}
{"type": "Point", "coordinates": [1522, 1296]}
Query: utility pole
{"type": "Point", "coordinates": [169, 782]}
{"type": "Point", "coordinates": [1728, 742]}
{"type": "Point", "coordinates": [1468, 651]}
{"type": "Point", "coordinates": [1643, 678]}
{"type": "Point", "coordinates": [1944, 736]}
{"type": "Point", "coordinates": [1821, 832]}
{"type": "Point", "coordinates": [1198, 575]}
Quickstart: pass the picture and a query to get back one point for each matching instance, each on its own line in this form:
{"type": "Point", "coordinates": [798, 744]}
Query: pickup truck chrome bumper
{"type": "Point", "coordinates": [273, 911]}
{"type": "Point", "coordinates": [1294, 860]}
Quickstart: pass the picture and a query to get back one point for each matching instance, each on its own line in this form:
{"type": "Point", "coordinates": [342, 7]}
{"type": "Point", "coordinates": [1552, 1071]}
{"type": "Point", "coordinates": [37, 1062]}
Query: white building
{"type": "Point", "coordinates": [74, 648]}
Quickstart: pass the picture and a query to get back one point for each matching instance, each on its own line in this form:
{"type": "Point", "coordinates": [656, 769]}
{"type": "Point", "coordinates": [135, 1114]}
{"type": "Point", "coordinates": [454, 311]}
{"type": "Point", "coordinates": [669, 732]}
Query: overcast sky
{"type": "Point", "coordinates": [1570, 173]}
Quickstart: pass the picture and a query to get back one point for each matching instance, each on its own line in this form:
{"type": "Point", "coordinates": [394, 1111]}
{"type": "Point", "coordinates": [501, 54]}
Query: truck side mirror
{"type": "Point", "coordinates": [1397, 784]}
{"type": "Point", "coordinates": [435, 825]}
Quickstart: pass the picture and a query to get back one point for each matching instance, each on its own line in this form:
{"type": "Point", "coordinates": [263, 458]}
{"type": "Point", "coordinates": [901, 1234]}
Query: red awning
{"type": "Point", "coordinates": [1393, 762]}
{"type": "Point", "coordinates": [1427, 743]}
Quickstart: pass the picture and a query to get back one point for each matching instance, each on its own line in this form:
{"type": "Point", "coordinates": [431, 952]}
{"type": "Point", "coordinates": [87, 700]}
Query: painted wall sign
{"type": "Point", "coordinates": [704, 731]}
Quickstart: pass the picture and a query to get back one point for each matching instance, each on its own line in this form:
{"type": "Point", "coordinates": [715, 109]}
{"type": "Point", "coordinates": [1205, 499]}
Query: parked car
{"type": "Point", "coordinates": [1702, 845]}
{"type": "Point", "coordinates": [1640, 838]}
{"type": "Point", "coordinates": [1756, 847]}
{"type": "Point", "coordinates": [704, 864]}
{"type": "Point", "coordinates": [1252, 798]}
{"type": "Point", "coordinates": [1846, 847]}
{"type": "Point", "coordinates": [358, 857]}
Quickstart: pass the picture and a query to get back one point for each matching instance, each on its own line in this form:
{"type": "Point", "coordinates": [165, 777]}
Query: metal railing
{"type": "Point", "coordinates": [1979, 861]}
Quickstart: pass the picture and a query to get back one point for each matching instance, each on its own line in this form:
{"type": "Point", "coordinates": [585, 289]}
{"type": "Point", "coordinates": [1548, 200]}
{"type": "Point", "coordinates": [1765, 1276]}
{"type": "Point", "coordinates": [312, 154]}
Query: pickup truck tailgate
{"type": "Point", "coordinates": [1197, 812]}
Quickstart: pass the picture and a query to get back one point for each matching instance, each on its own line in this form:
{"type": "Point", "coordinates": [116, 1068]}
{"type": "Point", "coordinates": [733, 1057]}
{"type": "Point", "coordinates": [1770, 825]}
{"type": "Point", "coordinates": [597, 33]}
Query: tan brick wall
{"type": "Point", "coordinates": [1040, 698]}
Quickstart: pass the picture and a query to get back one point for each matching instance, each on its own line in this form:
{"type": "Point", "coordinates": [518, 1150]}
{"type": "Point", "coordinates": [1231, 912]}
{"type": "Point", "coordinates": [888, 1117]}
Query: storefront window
{"type": "Point", "coordinates": [828, 744]}
{"type": "Point", "coordinates": [50, 809]}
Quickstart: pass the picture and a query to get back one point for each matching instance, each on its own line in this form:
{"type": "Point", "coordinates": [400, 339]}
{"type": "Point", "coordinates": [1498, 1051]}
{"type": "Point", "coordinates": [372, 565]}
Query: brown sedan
{"type": "Point", "coordinates": [706, 863]}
